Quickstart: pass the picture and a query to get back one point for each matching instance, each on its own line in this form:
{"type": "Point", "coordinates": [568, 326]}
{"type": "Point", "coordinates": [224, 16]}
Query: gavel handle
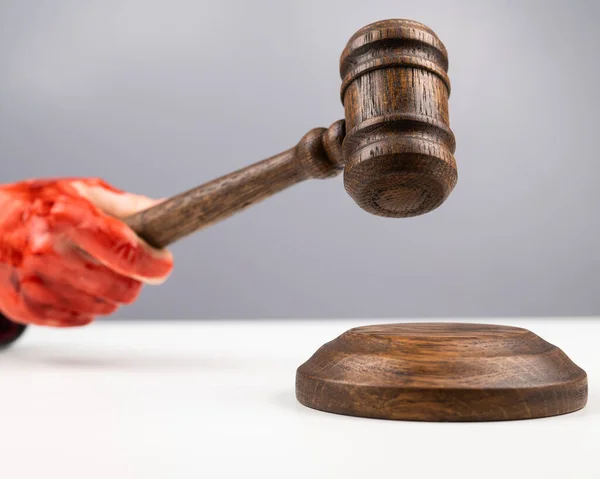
{"type": "Point", "coordinates": [317, 155]}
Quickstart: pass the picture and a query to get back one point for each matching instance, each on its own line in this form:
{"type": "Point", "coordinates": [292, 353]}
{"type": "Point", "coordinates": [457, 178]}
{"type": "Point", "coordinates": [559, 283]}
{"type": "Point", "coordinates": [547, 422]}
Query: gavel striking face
{"type": "Point", "coordinates": [395, 145]}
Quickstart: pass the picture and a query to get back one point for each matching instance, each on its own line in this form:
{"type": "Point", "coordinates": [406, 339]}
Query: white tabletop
{"type": "Point", "coordinates": [208, 399]}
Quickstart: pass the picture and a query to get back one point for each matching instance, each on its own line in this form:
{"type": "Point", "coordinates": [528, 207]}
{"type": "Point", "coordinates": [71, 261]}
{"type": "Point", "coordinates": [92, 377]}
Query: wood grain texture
{"type": "Point", "coordinates": [441, 372]}
{"type": "Point", "coordinates": [399, 146]}
{"type": "Point", "coordinates": [317, 155]}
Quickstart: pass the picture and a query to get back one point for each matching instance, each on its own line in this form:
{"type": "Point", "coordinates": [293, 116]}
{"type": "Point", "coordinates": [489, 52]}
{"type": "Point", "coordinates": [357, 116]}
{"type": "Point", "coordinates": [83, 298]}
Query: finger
{"type": "Point", "coordinates": [120, 204]}
{"type": "Point", "coordinates": [9, 297]}
{"type": "Point", "coordinates": [64, 297]}
{"type": "Point", "coordinates": [112, 201]}
{"type": "Point", "coordinates": [81, 320]}
{"type": "Point", "coordinates": [66, 267]}
{"type": "Point", "coordinates": [111, 242]}
{"type": "Point", "coordinates": [50, 315]}
{"type": "Point", "coordinates": [19, 309]}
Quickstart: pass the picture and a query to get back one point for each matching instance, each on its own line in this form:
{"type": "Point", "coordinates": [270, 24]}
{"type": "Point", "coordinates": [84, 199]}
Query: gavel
{"type": "Point", "coordinates": [395, 146]}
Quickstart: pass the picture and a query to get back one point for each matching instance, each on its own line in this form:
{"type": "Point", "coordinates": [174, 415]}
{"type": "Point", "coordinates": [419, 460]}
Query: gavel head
{"type": "Point", "coordinates": [398, 148]}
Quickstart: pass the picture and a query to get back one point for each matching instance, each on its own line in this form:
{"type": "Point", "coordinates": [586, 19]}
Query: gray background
{"type": "Point", "coordinates": [157, 97]}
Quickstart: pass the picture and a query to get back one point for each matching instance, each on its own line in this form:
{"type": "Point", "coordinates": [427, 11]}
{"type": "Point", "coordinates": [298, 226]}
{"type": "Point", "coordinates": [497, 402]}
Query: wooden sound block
{"type": "Point", "coordinates": [441, 372]}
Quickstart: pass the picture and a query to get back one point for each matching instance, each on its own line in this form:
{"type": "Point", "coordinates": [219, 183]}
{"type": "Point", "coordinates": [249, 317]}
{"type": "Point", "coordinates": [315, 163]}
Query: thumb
{"type": "Point", "coordinates": [111, 201]}
{"type": "Point", "coordinates": [107, 239]}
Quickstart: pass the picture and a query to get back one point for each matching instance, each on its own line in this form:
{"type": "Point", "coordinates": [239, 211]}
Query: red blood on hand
{"type": "Point", "coordinates": [65, 255]}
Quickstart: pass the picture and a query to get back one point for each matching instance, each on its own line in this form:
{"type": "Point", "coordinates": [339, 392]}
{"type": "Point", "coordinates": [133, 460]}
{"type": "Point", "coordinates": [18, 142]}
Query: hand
{"type": "Point", "coordinates": [66, 257]}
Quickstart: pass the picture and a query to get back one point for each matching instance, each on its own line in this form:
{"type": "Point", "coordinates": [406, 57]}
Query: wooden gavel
{"type": "Point", "coordinates": [395, 145]}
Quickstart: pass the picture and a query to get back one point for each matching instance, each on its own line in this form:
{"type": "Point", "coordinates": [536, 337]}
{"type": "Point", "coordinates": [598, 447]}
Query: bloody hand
{"type": "Point", "coordinates": [66, 257]}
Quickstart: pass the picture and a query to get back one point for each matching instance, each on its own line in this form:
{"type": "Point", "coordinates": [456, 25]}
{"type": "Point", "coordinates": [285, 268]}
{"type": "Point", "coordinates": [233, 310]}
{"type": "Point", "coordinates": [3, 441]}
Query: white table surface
{"type": "Point", "coordinates": [214, 399]}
